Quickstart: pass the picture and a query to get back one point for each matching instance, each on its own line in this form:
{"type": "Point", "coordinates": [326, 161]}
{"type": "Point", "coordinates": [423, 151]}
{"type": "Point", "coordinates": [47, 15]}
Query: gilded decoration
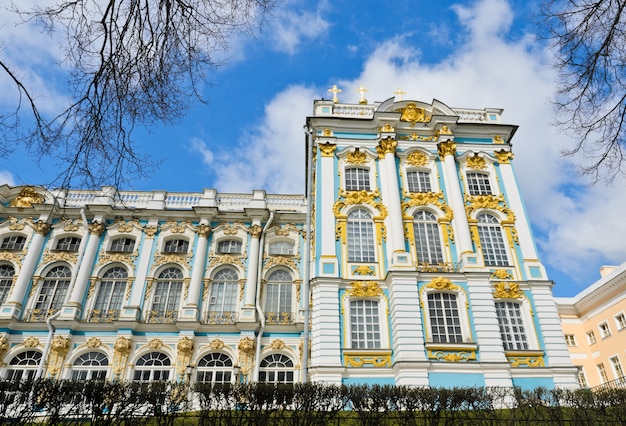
{"type": "Point", "coordinates": [255, 231]}
{"type": "Point", "coordinates": [386, 146]}
{"type": "Point", "coordinates": [16, 224]}
{"type": "Point", "coordinates": [504, 157]}
{"type": "Point", "coordinates": [364, 289]}
{"type": "Point", "coordinates": [125, 258]}
{"type": "Point", "coordinates": [446, 148]}
{"type": "Point", "coordinates": [416, 137]}
{"type": "Point", "coordinates": [26, 198]}
{"type": "Point", "coordinates": [177, 228]}
{"type": "Point", "coordinates": [121, 350]}
{"type": "Point", "coordinates": [277, 344]}
{"type": "Point", "coordinates": [185, 349]}
{"type": "Point", "coordinates": [490, 201]}
{"type": "Point", "coordinates": [476, 163]}
{"type": "Point", "coordinates": [417, 159]}
{"type": "Point", "coordinates": [181, 259]}
{"type": "Point", "coordinates": [70, 226]}
{"type": "Point", "coordinates": [452, 356]}
{"type": "Point", "coordinates": [96, 228]}
{"type": "Point", "coordinates": [150, 231]}
{"type": "Point", "coordinates": [360, 359]}
{"type": "Point", "coordinates": [507, 290]}
{"type": "Point", "coordinates": [356, 157]}
{"type": "Point", "coordinates": [13, 257]}
{"type": "Point", "coordinates": [347, 198]}
{"type": "Point", "coordinates": [224, 259]}
{"type": "Point", "coordinates": [216, 344]}
{"type": "Point", "coordinates": [387, 128]}
{"type": "Point", "coordinates": [280, 260]}
{"type": "Point", "coordinates": [4, 348]}
{"type": "Point", "coordinates": [59, 256]}
{"type": "Point", "coordinates": [441, 283]}
{"type": "Point", "coordinates": [127, 227]}
{"type": "Point", "coordinates": [531, 359]}
{"type": "Point", "coordinates": [334, 90]}
{"type": "Point", "coordinates": [328, 149]}
{"type": "Point", "coordinates": [31, 342]}
{"type": "Point", "coordinates": [501, 274]}
{"type": "Point", "coordinates": [93, 343]}
{"type": "Point", "coordinates": [444, 130]}
{"type": "Point", "coordinates": [186, 282]}
{"type": "Point", "coordinates": [246, 355]}
{"type": "Point", "coordinates": [40, 227]}
{"type": "Point", "coordinates": [59, 347]}
{"type": "Point", "coordinates": [242, 284]}
{"type": "Point", "coordinates": [286, 230]}
{"type": "Point", "coordinates": [362, 90]}
{"type": "Point", "coordinates": [413, 114]}
{"type": "Point", "coordinates": [92, 286]}
{"type": "Point", "coordinates": [203, 230]}
{"type": "Point", "coordinates": [498, 140]}
{"type": "Point", "coordinates": [418, 199]}
{"type": "Point", "coordinates": [327, 132]}
{"type": "Point", "coordinates": [363, 270]}
{"type": "Point", "coordinates": [155, 343]}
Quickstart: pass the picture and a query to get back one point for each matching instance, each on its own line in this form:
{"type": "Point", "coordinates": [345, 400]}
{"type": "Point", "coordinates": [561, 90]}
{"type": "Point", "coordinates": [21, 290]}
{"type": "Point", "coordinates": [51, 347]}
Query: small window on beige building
{"type": "Point", "coordinates": [591, 337]}
{"type": "Point", "coordinates": [620, 320]}
{"type": "Point", "coordinates": [605, 331]}
{"type": "Point", "coordinates": [570, 339]}
{"type": "Point", "coordinates": [602, 372]}
{"type": "Point", "coordinates": [582, 379]}
{"type": "Point", "coordinates": [617, 367]}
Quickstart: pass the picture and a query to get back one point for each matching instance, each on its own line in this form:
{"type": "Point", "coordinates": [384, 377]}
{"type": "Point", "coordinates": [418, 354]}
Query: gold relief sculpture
{"type": "Point", "coordinates": [40, 227]}
{"type": "Point", "coordinates": [216, 344]}
{"type": "Point", "coordinates": [387, 128]}
{"type": "Point", "coordinates": [70, 226]}
{"type": "Point", "coordinates": [33, 289]}
{"type": "Point", "coordinates": [501, 274]}
{"type": "Point", "coordinates": [59, 256]}
{"type": "Point", "coordinates": [242, 287]}
{"type": "Point", "coordinates": [446, 148]}
{"type": "Point", "coordinates": [59, 347]}
{"type": "Point", "coordinates": [328, 149]}
{"type": "Point", "coordinates": [441, 283]}
{"type": "Point", "coordinates": [327, 132]}
{"type": "Point", "coordinates": [126, 227]}
{"type": "Point", "coordinates": [155, 343]}
{"type": "Point", "coordinates": [185, 349]}
{"type": "Point", "coordinates": [203, 230]}
{"type": "Point", "coordinates": [495, 202]}
{"type": "Point", "coordinates": [4, 348]}
{"type": "Point", "coordinates": [126, 258]}
{"type": "Point", "coordinates": [364, 289]}
{"type": "Point", "coordinates": [375, 359]}
{"type": "Point", "coordinates": [15, 258]}
{"type": "Point", "coordinates": [507, 290]}
{"type": "Point", "coordinates": [280, 260]}
{"type": "Point", "coordinates": [31, 342]}
{"type": "Point", "coordinates": [16, 224]}
{"type": "Point", "coordinates": [444, 130]}
{"type": "Point", "coordinates": [498, 140]}
{"type": "Point", "coordinates": [363, 270]}
{"type": "Point", "coordinates": [416, 137]}
{"type": "Point", "coordinates": [413, 114]}
{"type": "Point", "coordinates": [417, 159]}
{"type": "Point", "coordinates": [356, 157]}
{"type": "Point", "coordinates": [150, 231]}
{"type": "Point", "coordinates": [246, 355]}
{"type": "Point", "coordinates": [92, 287]}
{"type": "Point", "coordinates": [26, 198]}
{"type": "Point", "coordinates": [96, 228]}
{"type": "Point", "coordinates": [255, 231]}
{"type": "Point", "coordinates": [445, 356]}
{"type": "Point", "coordinates": [386, 146]}
{"type": "Point", "coordinates": [225, 259]}
{"type": "Point", "coordinates": [176, 227]}
{"type": "Point", "coordinates": [205, 291]}
{"type": "Point", "coordinates": [504, 157]}
{"type": "Point", "coordinates": [334, 90]}
{"type": "Point", "coordinates": [298, 284]}
{"type": "Point", "coordinates": [360, 197]}
{"type": "Point", "coordinates": [476, 163]}
{"type": "Point", "coordinates": [186, 282]}
{"type": "Point", "coordinates": [277, 344]}
{"type": "Point", "coordinates": [93, 343]}
{"type": "Point", "coordinates": [531, 359]}
{"type": "Point", "coordinates": [181, 259]}
{"type": "Point", "coordinates": [121, 350]}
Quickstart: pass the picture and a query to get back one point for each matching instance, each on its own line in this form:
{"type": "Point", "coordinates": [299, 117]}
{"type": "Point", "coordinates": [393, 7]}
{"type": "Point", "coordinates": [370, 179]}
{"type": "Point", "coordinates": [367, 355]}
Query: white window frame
{"type": "Point", "coordinates": [422, 184]}
{"type": "Point", "coordinates": [605, 330]}
{"type": "Point", "coordinates": [591, 337]}
{"type": "Point", "coordinates": [515, 336]}
{"type": "Point", "coordinates": [23, 366]}
{"type": "Point", "coordinates": [229, 246]}
{"type": "Point", "coordinates": [218, 366]}
{"type": "Point", "coordinates": [604, 377]}
{"type": "Point", "coordinates": [281, 248]}
{"type": "Point", "coordinates": [358, 250]}
{"type": "Point", "coordinates": [71, 243]}
{"type": "Point", "coordinates": [174, 285]}
{"type": "Point", "coordinates": [9, 242]}
{"type": "Point", "coordinates": [570, 340]}
{"type": "Point", "coordinates": [223, 303]}
{"type": "Point", "coordinates": [434, 246]}
{"type": "Point", "coordinates": [582, 377]}
{"type": "Point", "coordinates": [275, 370]}
{"type": "Point", "coordinates": [491, 234]}
{"type": "Point", "coordinates": [124, 246]}
{"type": "Point", "coordinates": [463, 313]}
{"type": "Point", "coordinates": [54, 300]}
{"type": "Point", "coordinates": [616, 365]}
{"type": "Point", "coordinates": [181, 246]}
{"type": "Point", "coordinates": [362, 181]}
{"type": "Point", "coordinates": [620, 321]}
{"type": "Point", "coordinates": [7, 275]}
{"type": "Point", "coordinates": [382, 322]}
{"type": "Point", "coordinates": [114, 282]}
{"type": "Point", "coordinates": [478, 187]}
{"type": "Point", "coordinates": [145, 370]}
{"type": "Point", "coordinates": [88, 367]}
{"type": "Point", "coordinates": [279, 295]}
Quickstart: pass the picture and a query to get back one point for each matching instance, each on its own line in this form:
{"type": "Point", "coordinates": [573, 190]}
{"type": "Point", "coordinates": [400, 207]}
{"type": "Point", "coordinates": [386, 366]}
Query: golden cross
{"type": "Point", "coordinates": [362, 90]}
{"type": "Point", "coordinates": [334, 91]}
{"type": "Point", "coordinates": [399, 92]}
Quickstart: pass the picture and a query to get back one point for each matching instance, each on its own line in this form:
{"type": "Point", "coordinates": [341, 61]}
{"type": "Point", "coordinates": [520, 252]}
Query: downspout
{"type": "Point", "coordinates": [304, 368]}
{"type": "Point", "coordinates": [81, 251]}
{"type": "Point", "coordinates": [257, 350]}
{"type": "Point", "coordinates": [46, 348]}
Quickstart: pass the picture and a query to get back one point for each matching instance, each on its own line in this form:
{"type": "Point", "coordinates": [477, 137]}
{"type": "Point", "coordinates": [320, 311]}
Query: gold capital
{"type": "Point", "coordinates": [446, 148]}
{"type": "Point", "coordinates": [503, 156]}
{"type": "Point", "coordinates": [203, 230]}
{"type": "Point", "coordinates": [255, 231]}
{"type": "Point", "coordinates": [328, 149]}
{"type": "Point", "coordinates": [386, 146]}
{"type": "Point", "coordinates": [96, 228]}
{"type": "Point", "coordinates": [41, 227]}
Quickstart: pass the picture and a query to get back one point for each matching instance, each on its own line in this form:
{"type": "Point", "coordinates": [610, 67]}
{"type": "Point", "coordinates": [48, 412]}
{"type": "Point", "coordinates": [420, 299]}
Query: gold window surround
{"type": "Point", "coordinates": [363, 358]}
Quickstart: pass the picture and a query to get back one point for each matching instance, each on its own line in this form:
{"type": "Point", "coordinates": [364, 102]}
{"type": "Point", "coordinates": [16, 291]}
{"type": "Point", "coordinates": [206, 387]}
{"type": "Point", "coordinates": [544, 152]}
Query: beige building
{"type": "Point", "coordinates": [594, 323]}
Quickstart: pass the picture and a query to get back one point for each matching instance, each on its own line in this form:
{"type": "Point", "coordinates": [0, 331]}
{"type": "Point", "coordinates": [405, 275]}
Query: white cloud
{"type": "Point", "coordinates": [6, 178]}
{"type": "Point", "coordinates": [292, 27]}
{"type": "Point", "coordinates": [199, 146]}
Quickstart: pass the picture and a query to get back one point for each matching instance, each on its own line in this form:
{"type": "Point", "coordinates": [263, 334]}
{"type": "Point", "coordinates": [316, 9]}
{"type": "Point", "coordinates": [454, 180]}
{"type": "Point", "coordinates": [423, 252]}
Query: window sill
{"type": "Point", "coordinates": [367, 358]}
{"type": "Point", "coordinates": [452, 352]}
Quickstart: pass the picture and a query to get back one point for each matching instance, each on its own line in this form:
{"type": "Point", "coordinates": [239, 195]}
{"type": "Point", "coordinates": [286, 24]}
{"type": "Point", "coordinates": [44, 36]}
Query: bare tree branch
{"type": "Point", "coordinates": [131, 63]}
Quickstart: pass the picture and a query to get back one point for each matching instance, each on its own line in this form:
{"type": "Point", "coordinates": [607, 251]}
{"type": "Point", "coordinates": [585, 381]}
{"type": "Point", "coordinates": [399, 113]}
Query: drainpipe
{"type": "Point", "coordinates": [257, 352]}
{"type": "Point", "coordinates": [81, 250]}
{"type": "Point", "coordinates": [304, 368]}
{"type": "Point", "coordinates": [46, 348]}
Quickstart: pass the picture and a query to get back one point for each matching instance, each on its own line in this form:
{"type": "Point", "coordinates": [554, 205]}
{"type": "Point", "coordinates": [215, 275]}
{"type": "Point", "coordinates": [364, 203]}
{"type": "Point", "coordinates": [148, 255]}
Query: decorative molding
{"type": "Point", "coordinates": [504, 157]}
{"type": "Point", "coordinates": [150, 231]}
{"type": "Point", "coordinates": [441, 283]}
{"type": "Point", "coordinates": [203, 230]}
{"type": "Point", "coordinates": [417, 159]}
{"type": "Point", "coordinates": [280, 260]}
{"type": "Point", "coordinates": [4, 348]}
{"type": "Point", "coordinates": [327, 149]}
{"type": "Point", "coordinates": [507, 290]}
{"type": "Point", "coordinates": [452, 356]}
{"type": "Point", "coordinates": [413, 114]}
{"type": "Point", "coordinates": [255, 231]}
{"type": "Point", "coordinates": [216, 344]}
{"type": "Point", "coordinates": [530, 359]}
{"type": "Point", "coordinates": [40, 227]}
{"type": "Point", "coordinates": [31, 342]}
{"type": "Point", "coordinates": [121, 350]}
{"type": "Point", "coordinates": [59, 347]}
{"type": "Point", "coordinates": [446, 148]}
{"type": "Point", "coordinates": [26, 198]}
{"type": "Point", "coordinates": [246, 355]}
{"type": "Point", "coordinates": [476, 163]}
{"type": "Point", "coordinates": [277, 344]}
{"type": "Point", "coordinates": [16, 224]}
{"type": "Point", "coordinates": [223, 259]}
{"type": "Point", "coordinates": [501, 274]}
{"type": "Point", "coordinates": [155, 343]}
{"type": "Point", "coordinates": [347, 198]}
{"type": "Point", "coordinates": [185, 347]}
{"type": "Point", "coordinates": [362, 358]}
{"type": "Point", "coordinates": [363, 270]}
{"type": "Point", "coordinates": [59, 256]}
{"type": "Point", "coordinates": [356, 157]}
{"type": "Point", "coordinates": [93, 343]}
{"type": "Point", "coordinates": [96, 228]}
{"type": "Point", "coordinates": [364, 289]}
{"type": "Point", "coordinates": [386, 146]}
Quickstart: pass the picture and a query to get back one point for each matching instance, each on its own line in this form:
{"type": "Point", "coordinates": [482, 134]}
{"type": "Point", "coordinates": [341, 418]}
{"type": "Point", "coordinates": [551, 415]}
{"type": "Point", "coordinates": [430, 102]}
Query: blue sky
{"type": "Point", "coordinates": [472, 54]}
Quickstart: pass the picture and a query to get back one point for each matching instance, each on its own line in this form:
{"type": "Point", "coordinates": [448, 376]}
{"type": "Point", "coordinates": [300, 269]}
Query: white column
{"type": "Point", "coordinates": [386, 152]}
{"type": "Point", "coordinates": [133, 309]}
{"type": "Point", "coordinates": [462, 236]}
{"type": "Point", "coordinates": [190, 310]}
{"type": "Point", "coordinates": [325, 199]}
{"type": "Point", "coordinates": [249, 298]}
{"type": "Point", "coordinates": [13, 306]}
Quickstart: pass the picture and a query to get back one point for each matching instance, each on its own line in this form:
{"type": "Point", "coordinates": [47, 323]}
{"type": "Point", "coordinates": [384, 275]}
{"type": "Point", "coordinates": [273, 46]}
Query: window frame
{"type": "Point", "coordinates": [9, 244]}
{"type": "Point", "coordinates": [279, 302]}
{"type": "Point", "coordinates": [493, 242]}
{"type": "Point", "coordinates": [570, 340]}
{"type": "Point", "coordinates": [432, 242]}
{"type": "Point", "coordinates": [227, 288]}
{"type": "Point", "coordinates": [289, 244]}
{"type": "Point", "coordinates": [363, 324]}
{"type": "Point", "coordinates": [361, 236]}
{"type": "Point", "coordinates": [168, 287]}
{"type": "Point", "coordinates": [125, 246]}
{"type": "Point", "coordinates": [6, 281]}
{"type": "Point", "coordinates": [176, 246]}
{"type": "Point", "coordinates": [512, 339]}
{"type": "Point", "coordinates": [229, 246]}
{"type": "Point", "coordinates": [90, 361]}
{"type": "Point", "coordinates": [605, 330]}
{"type": "Point", "coordinates": [148, 365]}
{"type": "Point", "coordinates": [289, 371]}
{"type": "Point", "coordinates": [223, 370]}
{"type": "Point", "coordinates": [360, 181]}
{"type": "Point", "coordinates": [107, 307]}
{"type": "Point", "coordinates": [422, 183]}
{"type": "Point", "coordinates": [604, 377]}
{"type": "Point", "coordinates": [620, 321]}
{"type": "Point", "coordinates": [53, 302]}
{"type": "Point", "coordinates": [480, 185]}
{"type": "Point", "coordinates": [28, 364]}
{"type": "Point", "coordinates": [591, 337]}
{"type": "Point", "coordinates": [67, 243]}
{"type": "Point", "coordinates": [616, 365]}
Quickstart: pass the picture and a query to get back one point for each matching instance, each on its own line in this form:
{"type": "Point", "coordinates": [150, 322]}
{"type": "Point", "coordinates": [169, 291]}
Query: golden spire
{"type": "Point", "coordinates": [399, 92]}
{"type": "Point", "coordinates": [334, 91]}
{"type": "Point", "coordinates": [362, 90]}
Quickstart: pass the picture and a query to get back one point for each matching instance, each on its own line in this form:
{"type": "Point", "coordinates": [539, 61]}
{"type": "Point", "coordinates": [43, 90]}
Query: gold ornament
{"type": "Point", "coordinates": [26, 198]}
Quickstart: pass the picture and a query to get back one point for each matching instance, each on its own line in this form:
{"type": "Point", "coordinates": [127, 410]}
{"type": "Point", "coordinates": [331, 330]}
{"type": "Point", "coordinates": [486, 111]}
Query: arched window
{"type": "Point", "coordinates": [281, 248]}
{"type": "Point", "coordinates": [52, 294]}
{"type": "Point", "coordinates": [279, 298]}
{"type": "Point", "coordinates": [229, 246]}
{"type": "Point", "coordinates": [427, 238]}
{"type": "Point", "coordinates": [361, 246]}
{"type": "Point", "coordinates": [176, 246]}
{"type": "Point", "coordinates": [24, 366]}
{"type": "Point", "coordinates": [13, 242]}
{"type": "Point", "coordinates": [491, 241]}
{"type": "Point", "coordinates": [357, 179]}
{"type": "Point", "coordinates": [152, 367]}
{"type": "Point", "coordinates": [478, 183]}
{"type": "Point", "coordinates": [167, 294]}
{"type": "Point", "coordinates": [90, 366]}
{"type": "Point", "coordinates": [276, 368]}
{"type": "Point", "coordinates": [418, 181]}
{"type": "Point", "coordinates": [445, 321]}
{"type": "Point", "coordinates": [223, 299]}
{"type": "Point", "coordinates": [7, 272]}
{"type": "Point", "coordinates": [122, 245]}
{"type": "Point", "coordinates": [68, 244]}
{"type": "Point", "coordinates": [110, 295]}
{"type": "Point", "coordinates": [215, 368]}
{"type": "Point", "coordinates": [364, 324]}
{"type": "Point", "coordinates": [511, 324]}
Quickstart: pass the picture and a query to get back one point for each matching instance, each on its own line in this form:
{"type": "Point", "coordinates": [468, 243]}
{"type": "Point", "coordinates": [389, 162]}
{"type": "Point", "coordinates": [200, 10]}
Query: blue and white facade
{"type": "Point", "coordinates": [421, 268]}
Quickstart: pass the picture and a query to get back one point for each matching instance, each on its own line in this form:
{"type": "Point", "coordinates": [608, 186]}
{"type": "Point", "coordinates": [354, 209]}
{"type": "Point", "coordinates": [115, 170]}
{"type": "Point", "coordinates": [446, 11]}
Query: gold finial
{"type": "Point", "coordinates": [334, 91]}
{"type": "Point", "coordinates": [399, 92]}
{"type": "Point", "coordinates": [362, 90]}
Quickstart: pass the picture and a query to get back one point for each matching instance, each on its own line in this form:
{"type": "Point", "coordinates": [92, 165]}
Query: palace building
{"type": "Point", "coordinates": [409, 261]}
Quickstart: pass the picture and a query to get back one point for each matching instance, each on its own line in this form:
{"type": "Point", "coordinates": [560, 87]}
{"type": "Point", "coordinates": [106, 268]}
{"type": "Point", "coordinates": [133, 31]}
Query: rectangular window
{"type": "Point", "coordinates": [591, 337]}
{"type": "Point", "coordinates": [605, 331]}
{"type": "Point", "coordinates": [364, 324]}
{"type": "Point", "coordinates": [445, 322]}
{"type": "Point", "coordinates": [418, 181]}
{"type": "Point", "coordinates": [620, 320]}
{"type": "Point", "coordinates": [123, 245]}
{"type": "Point", "coordinates": [602, 372]}
{"type": "Point", "coordinates": [176, 246]}
{"type": "Point", "coordinates": [68, 244]}
{"type": "Point", "coordinates": [14, 242]}
{"type": "Point", "coordinates": [570, 339]}
{"type": "Point", "coordinates": [357, 179]}
{"type": "Point", "coordinates": [229, 246]}
{"type": "Point", "coordinates": [617, 367]}
{"type": "Point", "coordinates": [478, 184]}
{"type": "Point", "coordinates": [511, 326]}
{"type": "Point", "coordinates": [582, 379]}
